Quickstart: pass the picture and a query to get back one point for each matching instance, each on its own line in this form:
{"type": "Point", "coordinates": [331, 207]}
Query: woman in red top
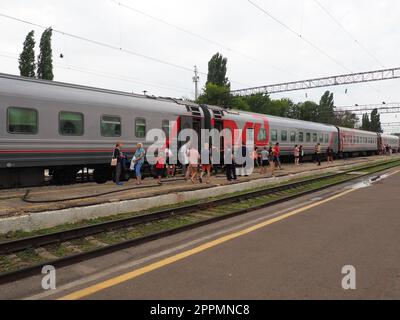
{"type": "Point", "coordinates": [277, 153]}
{"type": "Point", "coordinates": [160, 165]}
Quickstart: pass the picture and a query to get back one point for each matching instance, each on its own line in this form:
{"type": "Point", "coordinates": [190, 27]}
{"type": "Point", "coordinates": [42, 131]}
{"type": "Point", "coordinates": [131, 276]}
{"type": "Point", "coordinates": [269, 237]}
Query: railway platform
{"type": "Point", "coordinates": [52, 199]}
{"type": "Point", "coordinates": [300, 256]}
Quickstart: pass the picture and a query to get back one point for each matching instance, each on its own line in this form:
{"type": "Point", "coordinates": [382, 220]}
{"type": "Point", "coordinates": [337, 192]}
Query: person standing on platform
{"type": "Point", "coordinates": [256, 157]}
{"type": "Point", "coordinates": [277, 154]}
{"type": "Point", "coordinates": [206, 154]}
{"type": "Point", "coordinates": [168, 159]}
{"type": "Point", "coordinates": [329, 154]}
{"type": "Point", "coordinates": [184, 158]}
{"type": "Point", "coordinates": [271, 159]}
{"type": "Point", "coordinates": [118, 162]}
{"type": "Point", "coordinates": [264, 160]}
{"type": "Point", "coordinates": [160, 166]}
{"type": "Point", "coordinates": [318, 153]}
{"type": "Point", "coordinates": [301, 154]}
{"type": "Point", "coordinates": [138, 160]}
{"type": "Point", "coordinates": [229, 162]}
{"type": "Point", "coordinates": [193, 158]}
{"type": "Point", "coordinates": [296, 153]}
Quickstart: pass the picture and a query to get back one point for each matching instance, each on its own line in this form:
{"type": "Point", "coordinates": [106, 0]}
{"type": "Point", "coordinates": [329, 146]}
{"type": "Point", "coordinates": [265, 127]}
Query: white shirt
{"type": "Point", "coordinates": [168, 152]}
{"type": "Point", "coordinates": [183, 151]}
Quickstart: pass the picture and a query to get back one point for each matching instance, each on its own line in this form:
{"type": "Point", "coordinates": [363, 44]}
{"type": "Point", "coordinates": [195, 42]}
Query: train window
{"type": "Point", "coordinates": [22, 120]}
{"type": "Point", "coordinates": [262, 135]}
{"type": "Point", "coordinates": [140, 128]}
{"type": "Point", "coordinates": [293, 136]}
{"type": "Point", "coordinates": [165, 127]}
{"type": "Point", "coordinates": [110, 126]}
{"type": "Point", "coordinates": [301, 136]}
{"type": "Point", "coordinates": [321, 137]}
{"type": "Point", "coordinates": [283, 135]}
{"type": "Point", "coordinates": [315, 137]}
{"type": "Point", "coordinates": [70, 123]}
{"type": "Point", "coordinates": [274, 135]}
{"type": "Point", "coordinates": [308, 137]}
{"type": "Point", "coordinates": [326, 138]}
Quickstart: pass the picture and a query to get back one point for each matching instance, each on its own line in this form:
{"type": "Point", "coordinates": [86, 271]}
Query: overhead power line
{"type": "Point", "coordinates": [99, 43]}
{"type": "Point", "coordinates": [111, 46]}
{"type": "Point", "coordinates": [284, 25]}
{"type": "Point", "coordinates": [111, 76]}
{"type": "Point", "coordinates": [386, 108]}
{"type": "Point", "coordinates": [198, 36]}
{"type": "Point", "coordinates": [391, 124]}
{"type": "Point", "coordinates": [360, 77]}
{"type": "Point", "coordinates": [349, 33]}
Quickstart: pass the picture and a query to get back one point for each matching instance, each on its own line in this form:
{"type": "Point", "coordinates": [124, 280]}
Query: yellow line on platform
{"type": "Point", "coordinates": [164, 262]}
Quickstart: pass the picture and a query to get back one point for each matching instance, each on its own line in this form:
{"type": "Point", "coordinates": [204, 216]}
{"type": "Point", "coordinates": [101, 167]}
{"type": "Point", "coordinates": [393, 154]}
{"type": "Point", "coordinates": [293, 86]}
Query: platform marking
{"type": "Point", "coordinates": [167, 261]}
{"type": "Point", "coordinates": [131, 265]}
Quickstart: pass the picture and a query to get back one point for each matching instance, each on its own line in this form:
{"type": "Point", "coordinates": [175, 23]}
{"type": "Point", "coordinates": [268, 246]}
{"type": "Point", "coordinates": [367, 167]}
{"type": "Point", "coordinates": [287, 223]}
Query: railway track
{"type": "Point", "coordinates": [24, 257]}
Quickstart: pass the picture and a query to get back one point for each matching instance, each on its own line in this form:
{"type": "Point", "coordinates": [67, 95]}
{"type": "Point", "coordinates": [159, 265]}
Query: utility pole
{"type": "Point", "coordinates": [196, 79]}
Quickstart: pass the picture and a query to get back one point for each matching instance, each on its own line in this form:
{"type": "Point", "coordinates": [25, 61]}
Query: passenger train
{"type": "Point", "coordinates": [62, 128]}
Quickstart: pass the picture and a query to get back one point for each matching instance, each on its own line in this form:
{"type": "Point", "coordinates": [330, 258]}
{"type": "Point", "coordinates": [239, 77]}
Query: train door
{"type": "Point", "coordinates": [188, 122]}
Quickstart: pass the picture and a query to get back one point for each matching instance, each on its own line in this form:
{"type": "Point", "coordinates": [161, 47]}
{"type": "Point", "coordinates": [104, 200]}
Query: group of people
{"type": "Point", "coordinates": [386, 150]}
{"type": "Point", "coordinates": [196, 165]}
{"type": "Point", "coordinates": [268, 157]}
{"type": "Point", "coordinates": [120, 162]}
{"type": "Point", "coordinates": [191, 160]}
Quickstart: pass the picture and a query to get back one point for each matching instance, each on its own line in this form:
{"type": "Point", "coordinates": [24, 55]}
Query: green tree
{"type": "Point", "coordinates": [27, 64]}
{"type": "Point", "coordinates": [258, 103]}
{"type": "Point", "coordinates": [307, 111]}
{"type": "Point", "coordinates": [45, 59]}
{"type": "Point", "coordinates": [217, 89]}
{"type": "Point", "coordinates": [280, 108]}
{"type": "Point", "coordinates": [376, 121]}
{"type": "Point", "coordinates": [365, 123]}
{"type": "Point", "coordinates": [346, 119]}
{"type": "Point", "coordinates": [217, 68]}
{"type": "Point", "coordinates": [215, 95]}
{"type": "Point", "coordinates": [326, 108]}
{"type": "Point", "coordinates": [239, 103]}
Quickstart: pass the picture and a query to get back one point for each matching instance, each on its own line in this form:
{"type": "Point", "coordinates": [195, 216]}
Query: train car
{"type": "Point", "coordinates": [269, 130]}
{"type": "Point", "coordinates": [353, 141]}
{"type": "Point", "coordinates": [392, 141]}
{"type": "Point", "coordinates": [63, 128]}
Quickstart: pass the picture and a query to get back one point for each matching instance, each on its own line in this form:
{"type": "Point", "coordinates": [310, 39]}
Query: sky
{"type": "Point", "coordinates": [162, 41]}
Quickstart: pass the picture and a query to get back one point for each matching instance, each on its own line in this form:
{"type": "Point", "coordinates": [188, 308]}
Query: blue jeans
{"type": "Point", "coordinates": [138, 168]}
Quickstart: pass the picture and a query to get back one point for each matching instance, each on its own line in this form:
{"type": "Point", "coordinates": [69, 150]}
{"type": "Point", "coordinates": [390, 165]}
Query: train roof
{"type": "Point", "coordinates": [285, 121]}
{"type": "Point", "coordinates": [357, 131]}
{"type": "Point", "coordinates": [386, 135]}
{"type": "Point", "coordinates": [54, 90]}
